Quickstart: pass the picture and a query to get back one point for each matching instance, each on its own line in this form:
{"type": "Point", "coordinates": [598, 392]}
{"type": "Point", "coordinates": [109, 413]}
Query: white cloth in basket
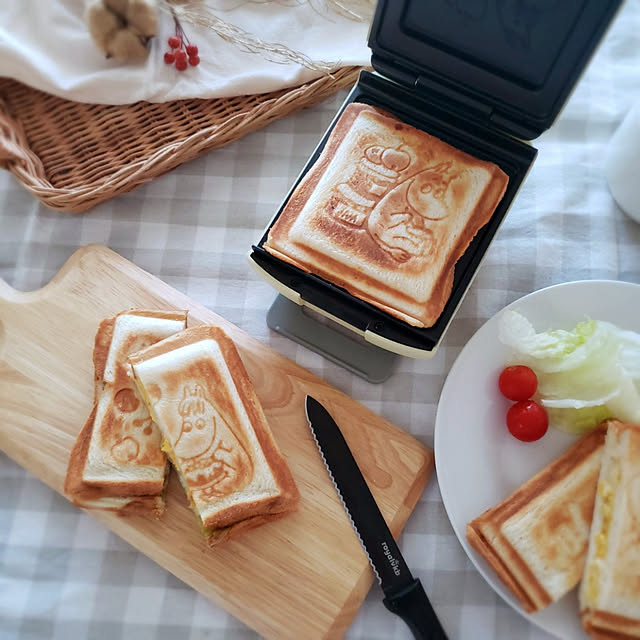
{"type": "Point", "coordinates": [46, 45]}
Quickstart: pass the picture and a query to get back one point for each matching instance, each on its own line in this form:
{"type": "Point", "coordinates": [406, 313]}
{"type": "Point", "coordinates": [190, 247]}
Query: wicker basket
{"type": "Point", "coordinates": [72, 155]}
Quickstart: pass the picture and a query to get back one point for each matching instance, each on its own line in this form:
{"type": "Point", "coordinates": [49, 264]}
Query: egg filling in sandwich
{"type": "Point", "coordinates": [610, 589]}
{"type": "Point", "coordinates": [386, 212]}
{"type": "Point", "coordinates": [116, 462]}
{"type": "Point", "coordinates": [536, 539]}
{"type": "Point", "coordinates": [215, 432]}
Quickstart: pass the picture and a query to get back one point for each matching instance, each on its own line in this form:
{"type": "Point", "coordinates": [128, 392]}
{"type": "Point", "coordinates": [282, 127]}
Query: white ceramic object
{"type": "Point", "coordinates": [478, 462]}
{"type": "Point", "coordinates": [622, 164]}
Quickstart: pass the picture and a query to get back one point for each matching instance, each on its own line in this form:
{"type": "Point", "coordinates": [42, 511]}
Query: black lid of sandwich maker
{"type": "Point", "coordinates": [510, 63]}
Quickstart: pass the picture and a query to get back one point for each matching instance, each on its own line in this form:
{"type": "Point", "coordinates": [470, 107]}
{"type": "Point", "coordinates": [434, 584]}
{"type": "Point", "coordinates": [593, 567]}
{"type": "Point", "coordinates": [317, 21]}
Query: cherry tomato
{"type": "Point", "coordinates": [527, 420]}
{"type": "Point", "coordinates": [518, 382]}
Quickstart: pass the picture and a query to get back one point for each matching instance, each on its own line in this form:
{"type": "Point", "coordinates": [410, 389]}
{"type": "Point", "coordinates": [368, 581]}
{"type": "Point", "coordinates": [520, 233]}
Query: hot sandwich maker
{"type": "Point", "coordinates": [485, 76]}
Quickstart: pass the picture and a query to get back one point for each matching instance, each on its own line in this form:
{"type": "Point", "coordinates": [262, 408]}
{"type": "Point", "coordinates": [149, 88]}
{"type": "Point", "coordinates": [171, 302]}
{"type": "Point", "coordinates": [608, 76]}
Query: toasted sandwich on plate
{"type": "Point", "coordinates": [215, 432]}
{"type": "Point", "coordinates": [536, 539]}
{"type": "Point", "coordinates": [610, 589]}
{"type": "Point", "coordinates": [386, 212]}
{"type": "Point", "coordinates": [116, 462]}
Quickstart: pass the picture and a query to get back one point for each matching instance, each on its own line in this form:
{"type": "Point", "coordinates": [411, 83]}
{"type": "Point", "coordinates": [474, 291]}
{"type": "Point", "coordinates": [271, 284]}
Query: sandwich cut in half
{"type": "Point", "coordinates": [536, 539]}
{"type": "Point", "coordinates": [215, 432]}
{"type": "Point", "coordinates": [116, 462]}
{"type": "Point", "coordinates": [610, 589]}
{"type": "Point", "coordinates": [386, 212]}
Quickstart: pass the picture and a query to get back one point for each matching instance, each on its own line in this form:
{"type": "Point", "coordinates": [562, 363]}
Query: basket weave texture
{"type": "Point", "coordinates": [72, 155]}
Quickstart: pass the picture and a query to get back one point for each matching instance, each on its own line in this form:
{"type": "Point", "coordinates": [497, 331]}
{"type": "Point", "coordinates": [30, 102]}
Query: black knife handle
{"type": "Point", "coordinates": [413, 606]}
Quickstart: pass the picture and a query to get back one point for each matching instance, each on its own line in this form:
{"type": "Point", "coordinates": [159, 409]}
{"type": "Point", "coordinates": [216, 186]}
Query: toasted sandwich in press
{"type": "Point", "coordinates": [116, 462]}
{"type": "Point", "coordinates": [386, 212]}
{"type": "Point", "coordinates": [610, 589]}
{"type": "Point", "coordinates": [215, 432]}
{"type": "Point", "coordinates": [536, 539]}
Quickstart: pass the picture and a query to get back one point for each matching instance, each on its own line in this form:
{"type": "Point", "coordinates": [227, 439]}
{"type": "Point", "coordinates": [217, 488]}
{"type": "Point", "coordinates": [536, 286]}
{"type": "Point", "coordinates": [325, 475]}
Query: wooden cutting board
{"type": "Point", "coordinates": [301, 577]}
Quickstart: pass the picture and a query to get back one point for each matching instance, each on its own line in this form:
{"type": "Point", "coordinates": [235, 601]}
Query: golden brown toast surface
{"type": "Point", "coordinates": [119, 433]}
{"type": "Point", "coordinates": [214, 431]}
{"type": "Point", "coordinates": [610, 590]}
{"type": "Point", "coordinates": [386, 212]}
{"type": "Point", "coordinates": [536, 539]}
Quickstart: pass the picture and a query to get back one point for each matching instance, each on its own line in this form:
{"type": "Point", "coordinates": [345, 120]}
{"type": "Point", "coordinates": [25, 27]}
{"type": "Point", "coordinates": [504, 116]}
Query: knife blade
{"type": "Point", "coordinates": [404, 595]}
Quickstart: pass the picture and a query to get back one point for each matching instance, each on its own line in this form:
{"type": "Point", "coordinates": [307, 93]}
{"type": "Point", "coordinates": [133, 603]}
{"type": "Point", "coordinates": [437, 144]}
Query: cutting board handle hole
{"type": "Point", "coordinates": [2, 338]}
{"type": "Point", "coordinates": [5, 292]}
{"type": "Point", "coordinates": [5, 289]}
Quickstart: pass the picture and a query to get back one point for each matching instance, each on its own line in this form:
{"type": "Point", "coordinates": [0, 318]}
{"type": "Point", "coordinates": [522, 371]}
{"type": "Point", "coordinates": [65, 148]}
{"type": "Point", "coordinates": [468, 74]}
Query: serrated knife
{"type": "Point", "coordinates": [404, 595]}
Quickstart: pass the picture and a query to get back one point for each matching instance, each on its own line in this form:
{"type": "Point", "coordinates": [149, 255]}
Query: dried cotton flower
{"type": "Point", "coordinates": [121, 28]}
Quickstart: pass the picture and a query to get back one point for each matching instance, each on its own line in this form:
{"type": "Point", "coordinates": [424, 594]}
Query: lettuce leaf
{"type": "Point", "coordinates": [588, 372]}
{"type": "Point", "coordinates": [578, 421]}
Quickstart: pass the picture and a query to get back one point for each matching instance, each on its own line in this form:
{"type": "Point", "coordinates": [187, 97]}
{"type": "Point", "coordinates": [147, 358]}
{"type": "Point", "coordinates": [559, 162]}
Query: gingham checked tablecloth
{"type": "Point", "coordinates": [64, 576]}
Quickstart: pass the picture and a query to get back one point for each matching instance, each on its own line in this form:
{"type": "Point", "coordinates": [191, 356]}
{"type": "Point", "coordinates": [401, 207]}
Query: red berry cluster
{"type": "Point", "coordinates": [181, 49]}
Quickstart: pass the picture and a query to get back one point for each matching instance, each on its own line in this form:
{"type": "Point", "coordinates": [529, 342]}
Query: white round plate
{"type": "Point", "coordinates": [478, 462]}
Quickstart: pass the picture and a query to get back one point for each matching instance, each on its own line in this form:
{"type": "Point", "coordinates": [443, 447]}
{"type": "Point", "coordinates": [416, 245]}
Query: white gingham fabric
{"type": "Point", "coordinates": [63, 576]}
